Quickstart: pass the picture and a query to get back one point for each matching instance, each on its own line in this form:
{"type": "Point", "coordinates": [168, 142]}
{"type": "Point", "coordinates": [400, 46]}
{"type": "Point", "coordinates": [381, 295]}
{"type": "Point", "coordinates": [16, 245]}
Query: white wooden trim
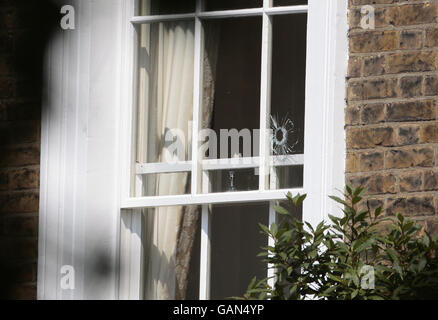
{"type": "Point", "coordinates": [265, 96]}
{"type": "Point", "coordinates": [129, 240]}
{"type": "Point", "coordinates": [324, 156]}
{"type": "Point", "coordinates": [231, 13]}
{"type": "Point", "coordinates": [197, 99]}
{"type": "Point", "coordinates": [210, 198]}
{"type": "Point", "coordinates": [80, 127]}
{"type": "Point", "coordinates": [218, 164]}
{"type": "Point", "coordinates": [162, 18]}
{"type": "Point", "coordinates": [153, 168]}
{"type": "Point", "coordinates": [205, 254]}
{"type": "Point", "coordinates": [287, 10]}
{"type": "Point", "coordinates": [271, 243]}
{"type": "Point", "coordinates": [222, 14]}
{"type": "Point", "coordinates": [326, 56]}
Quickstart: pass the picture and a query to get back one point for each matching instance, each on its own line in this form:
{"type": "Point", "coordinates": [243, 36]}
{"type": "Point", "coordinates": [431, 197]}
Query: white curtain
{"type": "Point", "coordinates": [165, 102]}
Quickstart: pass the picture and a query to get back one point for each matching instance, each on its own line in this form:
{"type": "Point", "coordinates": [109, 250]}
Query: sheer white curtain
{"type": "Point", "coordinates": [166, 102]}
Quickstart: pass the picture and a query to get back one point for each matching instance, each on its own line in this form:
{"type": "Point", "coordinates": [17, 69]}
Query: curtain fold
{"type": "Point", "coordinates": [191, 214]}
{"type": "Point", "coordinates": [168, 79]}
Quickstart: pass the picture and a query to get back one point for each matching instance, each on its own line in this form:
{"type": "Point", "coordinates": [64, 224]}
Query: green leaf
{"type": "Point", "coordinates": [355, 293]}
{"type": "Point", "coordinates": [335, 278]}
{"type": "Point", "coordinates": [338, 200]}
{"type": "Point", "coordinates": [400, 217]}
{"type": "Point", "coordinates": [281, 210]}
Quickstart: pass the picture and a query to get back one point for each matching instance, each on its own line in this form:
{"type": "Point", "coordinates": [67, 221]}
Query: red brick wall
{"type": "Point", "coordinates": [24, 29]}
{"type": "Point", "coordinates": [391, 118]}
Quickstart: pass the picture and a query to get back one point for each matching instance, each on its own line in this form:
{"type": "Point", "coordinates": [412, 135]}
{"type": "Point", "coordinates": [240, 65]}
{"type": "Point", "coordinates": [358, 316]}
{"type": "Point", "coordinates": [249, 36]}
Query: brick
{"type": "Point", "coordinates": [371, 161]}
{"type": "Point", "coordinates": [373, 113]}
{"type": "Point", "coordinates": [431, 85]}
{"type": "Point", "coordinates": [6, 43]}
{"type": "Point", "coordinates": [19, 156]}
{"type": "Point", "coordinates": [410, 111]}
{"type": "Point", "coordinates": [411, 181]}
{"type": "Point", "coordinates": [431, 180]}
{"type": "Point", "coordinates": [408, 135]}
{"type": "Point", "coordinates": [429, 133]}
{"type": "Point", "coordinates": [3, 112]}
{"type": "Point", "coordinates": [352, 163]}
{"type": "Point", "coordinates": [20, 111]}
{"type": "Point", "coordinates": [19, 133]}
{"type": "Point", "coordinates": [24, 292]}
{"type": "Point", "coordinates": [28, 89]}
{"type": "Point", "coordinates": [354, 67]}
{"type": "Point", "coordinates": [9, 19]}
{"type": "Point", "coordinates": [25, 272]}
{"type": "Point", "coordinates": [4, 181]}
{"type": "Point", "coordinates": [6, 88]}
{"type": "Point", "coordinates": [374, 65]}
{"type": "Point", "coordinates": [19, 202]}
{"type": "Point", "coordinates": [411, 206]}
{"type": "Point", "coordinates": [20, 249]}
{"type": "Point", "coordinates": [418, 61]}
{"type": "Point", "coordinates": [372, 89]}
{"type": "Point", "coordinates": [25, 178]}
{"type": "Point", "coordinates": [432, 37]}
{"type": "Point", "coordinates": [407, 158]}
{"type": "Point", "coordinates": [374, 41]}
{"type": "Point", "coordinates": [413, 14]}
{"type": "Point", "coordinates": [411, 86]}
{"type": "Point", "coordinates": [375, 183]}
{"type": "Point", "coordinates": [6, 66]}
{"type": "Point", "coordinates": [363, 2]}
{"type": "Point", "coordinates": [374, 202]}
{"type": "Point", "coordinates": [363, 138]}
{"type": "Point", "coordinates": [21, 226]}
{"type": "Point", "coordinates": [411, 39]}
{"type": "Point", "coordinates": [432, 226]}
{"type": "Point", "coordinates": [355, 17]}
{"type": "Point", "coordinates": [352, 116]}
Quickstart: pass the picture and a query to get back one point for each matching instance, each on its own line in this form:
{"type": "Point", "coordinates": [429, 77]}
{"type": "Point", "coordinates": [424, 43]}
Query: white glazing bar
{"type": "Point", "coordinates": [204, 271]}
{"type": "Point", "coordinates": [211, 198]}
{"type": "Point", "coordinates": [252, 12]}
{"type": "Point", "coordinates": [150, 168]}
{"type": "Point", "coordinates": [287, 10]}
{"type": "Point", "coordinates": [162, 18]}
{"type": "Point", "coordinates": [265, 96]}
{"type": "Point", "coordinates": [218, 164]}
{"type": "Point", "coordinates": [231, 13]}
{"type": "Point", "coordinates": [204, 281]}
{"type": "Point", "coordinates": [197, 99]}
{"type": "Point", "coordinates": [271, 243]}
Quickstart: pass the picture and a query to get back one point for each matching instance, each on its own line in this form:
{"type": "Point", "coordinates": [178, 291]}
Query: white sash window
{"type": "Point", "coordinates": [268, 69]}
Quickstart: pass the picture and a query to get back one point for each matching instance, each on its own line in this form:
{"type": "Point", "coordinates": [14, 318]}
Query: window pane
{"type": "Point", "coordinates": [165, 93]}
{"type": "Point", "coordinates": [231, 100]}
{"type": "Point", "coordinates": [166, 184]}
{"type": "Point", "coordinates": [289, 177]}
{"type": "Point", "coordinates": [278, 3]}
{"type": "Point", "coordinates": [288, 92]}
{"type": "Point", "coordinates": [235, 243]}
{"type": "Point", "coordinates": [212, 5]}
{"type": "Point", "coordinates": [171, 241]}
{"type": "Point", "coordinates": [154, 7]}
{"type": "Point", "coordinates": [233, 180]}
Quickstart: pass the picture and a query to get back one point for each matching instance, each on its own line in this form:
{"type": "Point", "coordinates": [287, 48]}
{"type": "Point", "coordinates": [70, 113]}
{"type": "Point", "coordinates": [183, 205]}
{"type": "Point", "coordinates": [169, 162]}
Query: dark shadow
{"type": "Point", "coordinates": [25, 29]}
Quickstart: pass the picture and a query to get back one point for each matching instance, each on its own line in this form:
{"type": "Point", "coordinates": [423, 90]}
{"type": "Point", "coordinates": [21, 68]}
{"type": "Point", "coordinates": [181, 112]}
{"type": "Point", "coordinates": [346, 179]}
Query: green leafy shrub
{"type": "Point", "coordinates": [360, 255]}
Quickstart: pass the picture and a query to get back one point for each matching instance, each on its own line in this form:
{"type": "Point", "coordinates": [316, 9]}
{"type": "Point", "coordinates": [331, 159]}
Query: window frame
{"type": "Point", "coordinates": [316, 182]}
